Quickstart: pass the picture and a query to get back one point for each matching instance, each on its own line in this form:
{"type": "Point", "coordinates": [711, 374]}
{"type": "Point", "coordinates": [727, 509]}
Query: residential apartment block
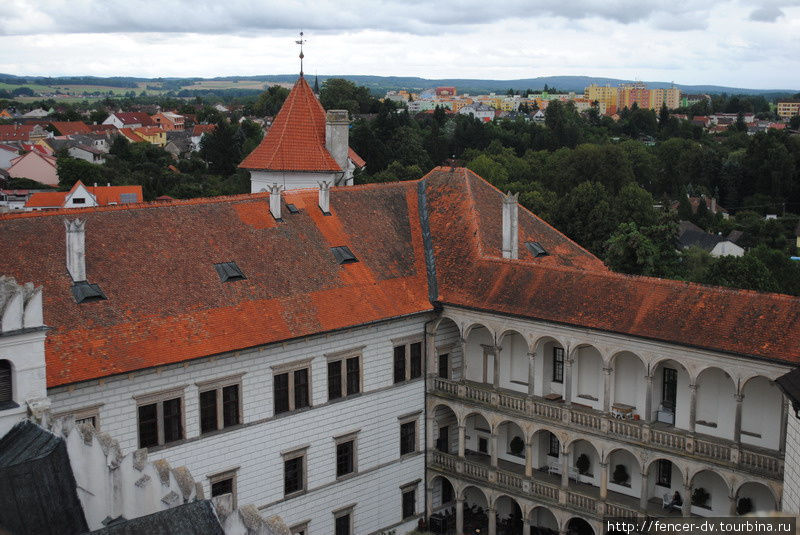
{"type": "Point", "coordinates": [787, 110]}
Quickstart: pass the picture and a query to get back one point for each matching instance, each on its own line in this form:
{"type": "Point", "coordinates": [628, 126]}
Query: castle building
{"type": "Point", "coordinates": [353, 359]}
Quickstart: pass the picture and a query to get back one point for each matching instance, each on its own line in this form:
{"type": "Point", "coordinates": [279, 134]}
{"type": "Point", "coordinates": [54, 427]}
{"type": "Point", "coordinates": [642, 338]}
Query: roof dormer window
{"type": "Point", "coordinates": [79, 200]}
{"type": "Point", "coordinates": [343, 255]}
{"type": "Point", "coordinates": [536, 249]}
{"type": "Point", "coordinates": [229, 272]}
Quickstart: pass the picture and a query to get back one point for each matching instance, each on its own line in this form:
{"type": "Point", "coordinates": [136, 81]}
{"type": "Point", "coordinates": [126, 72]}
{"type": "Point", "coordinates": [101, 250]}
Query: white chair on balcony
{"type": "Point", "coordinates": [666, 500]}
{"type": "Point", "coordinates": [553, 466]}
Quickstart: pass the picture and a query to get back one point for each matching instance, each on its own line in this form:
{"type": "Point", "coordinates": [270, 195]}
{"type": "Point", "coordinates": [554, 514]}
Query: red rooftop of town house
{"type": "Point", "coordinates": [296, 139]}
{"type": "Point", "coordinates": [68, 128]}
{"type": "Point", "coordinates": [104, 195]}
{"type": "Point", "coordinates": [135, 117]}
{"type": "Point", "coordinates": [200, 129]}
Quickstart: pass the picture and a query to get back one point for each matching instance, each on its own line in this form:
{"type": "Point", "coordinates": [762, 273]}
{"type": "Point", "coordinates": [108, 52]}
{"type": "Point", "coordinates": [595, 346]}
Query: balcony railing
{"type": "Point", "coordinates": [718, 450]}
{"type": "Point", "coordinates": [581, 501]}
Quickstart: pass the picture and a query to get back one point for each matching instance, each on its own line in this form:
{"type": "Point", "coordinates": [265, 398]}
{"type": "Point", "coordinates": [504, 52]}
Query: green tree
{"type": "Point", "coordinates": [270, 101]}
{"type": "Point", "coordinates": [630, 251]}
{"type": "Point", "coordinates": [746, 272]}
{"type": "Point", "coordinates": [585, 215]}
{"type": "Point", "coordinates": [70, 170]}
{"type": "Point", "coordinates": [341, 94]}
{"type": "Point", "coordinates": [220, 149]}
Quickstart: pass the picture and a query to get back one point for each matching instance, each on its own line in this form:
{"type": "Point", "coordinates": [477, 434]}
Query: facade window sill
{"type": "Point", "coordinates": [8, 405]}
{"type": "Point", "coordinates": [220, 431]}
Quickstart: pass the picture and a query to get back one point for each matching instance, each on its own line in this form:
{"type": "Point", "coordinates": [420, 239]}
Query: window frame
{"type": "Point", "coordinates": [406, 344]}
{"type": "Point", "coordinates": [665, 482]}
{"type": "Point", "coordinates": [84, 413]}
{"type": "Point", "coordinates": [219, 385]}
{"type": "Point", "coordinates": [553, 440]}
{"type": "Point", "coordinates": [343, 439]}
{"type": "Point", "coordinates": [669, 388]}
{"type": "Point", "coordinates": [296, 453]}
{"type": "Point", "coordinates": [405, 420]}
{"type": "Point", "coordinates": [343, 357]}
{"type": "Point", "coordinates": [443, 357]}
{"type": "Point", "coordinates": [10, 402]}
{"type": "Point", "coordinates": [345, 511]}
{"type": "Point", "coordinates": [404, 490]}
{"type": "Point", "coordinates": [222, 476]}
{"type": "Point", "coordinates": [158, 399]}
{"type": "Point", "coordinates": [300, 528]}
{"type": "Point", "coordinates": [290, 369]}
{"type": "Point", "coordinates": [558, 365]}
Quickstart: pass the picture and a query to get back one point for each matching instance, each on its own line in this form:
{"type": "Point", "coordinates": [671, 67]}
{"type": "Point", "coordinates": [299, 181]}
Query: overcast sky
{"type": "Point", "coordinates": [742, 43]}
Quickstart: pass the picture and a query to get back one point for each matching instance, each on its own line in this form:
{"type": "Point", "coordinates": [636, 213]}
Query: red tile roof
{"type": "Point", "coordinates": [68, 128]}
{"type": "Point", "coordinates": [132, 136]}
{"type": "Point", "coordinates": [571, 287]}
{"type": "Point", "coordinates": [296, 139]}
{"type": "Point", "coordinates": [177, 309]}
{"type": "Point", "coordinates": [16, 132]}
{"type": "Point", "coordinates": [358, 160]}
{"type": "Point", "coordinates": [102, 127]}
{"type": "Point", "coordinates": [200, 129]}
{"type": "Point", "coordinates": [135, 117]}
{"type": "Point", "coordinates": [104, 195]}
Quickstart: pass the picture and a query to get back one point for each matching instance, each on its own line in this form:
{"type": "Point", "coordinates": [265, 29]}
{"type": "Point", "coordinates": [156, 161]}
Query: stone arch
{"type": "Point", "coordinates": [543, 518]}
{"type": "Point", "coordinates": [445, 431]}
{"type": "Point", "coordinates": [718, 488]}
{"type": "Point", "coordinates": [628, 386]}
{"type": "Point", "coordinates": [546, 382]}
{"type": "Point", "coordinates": [676, 477]}
{"type": "Point", "coordinates": [479, 344]}
{"type": "Point", "coordinates": [509, 448]}
{"type": "Point", "coordinates": [513, 361]}
{"type": "Point", "coordinates": [671, 396]}
{"type": "Point", "coordinates": [762, 412]}
{"type": "Point", "coordinates": [478, 430]}
{"type": "Point", "coordinates": [543, 453]}
{"type": "Point", "coordinates": [509, 514]}
{"type": "Point", "coordinates": [632, 463]}
{"type": "Point", "coordinates": [447, 343]}
{"type": "Point", "coordinates": [587, 375]}
{"type": "Point", "coordinates": [444, 492]}
{"type": "Point", "coordinates": [760, 500]}
{"type": "Point", "coordinates": [578, 447]}
{"type": "Point", "coordinates": [715, 402]}
{"type": "Point", "coordinates": [579, 526]}
{"type": "Point", "coordinates": [476, 503]}
{"type": "Point", "coordinates": [468, 329]}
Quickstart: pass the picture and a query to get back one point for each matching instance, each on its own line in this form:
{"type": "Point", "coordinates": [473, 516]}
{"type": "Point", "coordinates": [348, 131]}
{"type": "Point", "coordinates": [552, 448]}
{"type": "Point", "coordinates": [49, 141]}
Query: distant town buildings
{"type": "Point", "coordinates": [787, 110]}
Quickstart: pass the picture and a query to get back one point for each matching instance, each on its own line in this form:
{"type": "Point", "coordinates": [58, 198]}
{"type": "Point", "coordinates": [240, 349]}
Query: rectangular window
{"type": "Point", "coordinates": [408, 437]}
{"type": "Point", "coordinates": [300, 529]}
{"type": "Point", "coordinates": [224, 483]}
{"type": "Point", "coordinates": [664, 475]}
{"type": "Point", "coordinates": [345, 458]}
{"type": "Point", "coordinates": [220, 404]}
{"type": "Point", "coordinates": [407, 361]}
{"type": "Point", "coordinates": [447, 492]}
{"type": "Point", "coordinates": [409, 503]}
{"type": "Point", "coordinates": [444, 366]}
{"type": "Point", "coordinates": [344, 375]}
{"type": "Point", "coordinates": [554, 447]}
{"type": "Point", "coordinates": [669, 390]}
{"type": "Point", "coordinates": [294, 479]}
{"type": "Point", "coordinates": [292, 387]}
{"type": "Point", "coordinates": [160, 419]}
{"type": "Point", "coordinates": [399, 364]}
{"type": "Point", "coordinates": [558, 365]}
{"type": "Point", "coordinates": [483, 445]}
{"type": "Point", "coordinates": [343, 523]}
{"type": "Point", "coordinates": [87, 415]}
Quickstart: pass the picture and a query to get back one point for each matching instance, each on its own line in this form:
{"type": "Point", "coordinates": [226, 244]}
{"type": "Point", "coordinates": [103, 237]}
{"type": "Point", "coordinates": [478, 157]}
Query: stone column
{"type": "Point", "coordinates": [603, 481]}
{"type": "Point", "coordinates": [430, 351]}
{"type": "Point", "coordinates": [492, 521]}
{"type": "Point", "coordinates": [607, 389]}
{"type": "Point", "coordinates": [429, 501]}
{"type": "Point", "coordinates": [643, 498]}
{"type": "Point", "coordinates": [430, 426]}
{"type": "Point", "coordinates": [462, 440]}
{"type": "Point", "coordinates": [784, 421]}
{"type": "Point", "coordinates": [737, 422]}
{"type": "Point", "coordinates": [493, 449]}
{"type": "Point", "coordinates": [732, 511]}
{"type": "Point", "coordinates": [648, 400]}
{"type": "Point", "coordinates": [568, 380]}
{"type": "Point", "coordinates": [564, 468]}
{"type": "Point", "coordinates": [531, 375]}
{"type": "Point", "coordinates": [692, 407]}
{"type": "Point", "coordinates": [463, 343]}
{"type": "Point", "coordinates": [529, 459]}
{"type": "Point", "coordinates": [686, 508]}
{"type": "Point", "coordinates": [459, 516]}
{"type": "Point", "coordinates": [526, 525]}
{"type": "Point", "coordinates": [496, 367]}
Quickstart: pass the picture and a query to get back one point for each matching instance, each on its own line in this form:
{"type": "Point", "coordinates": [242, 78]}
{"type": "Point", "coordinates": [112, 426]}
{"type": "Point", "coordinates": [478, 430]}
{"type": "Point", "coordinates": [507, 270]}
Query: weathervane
{"type": "Point", "coordinates": [300, 42]}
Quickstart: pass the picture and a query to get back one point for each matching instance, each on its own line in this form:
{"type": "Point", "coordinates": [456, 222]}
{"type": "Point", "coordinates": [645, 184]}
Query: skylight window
{"type": "Point", "coordinates": [229, 272]}
{"type": "Point", "coordinates": [536, 249]}
{"type": "Point", "coordinates": [83, 292]}
{"type": "Point", "coordinates": [292, 209]}
{"type": "Point", "coordinates": [126, 198]}
{"type": "Point", "coordinates": [343, 255]}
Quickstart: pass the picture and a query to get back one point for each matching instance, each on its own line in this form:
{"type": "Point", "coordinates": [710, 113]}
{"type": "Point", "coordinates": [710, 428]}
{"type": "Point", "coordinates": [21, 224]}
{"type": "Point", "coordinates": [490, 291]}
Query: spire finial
{"type": "Point", "coordinates": [300, 42]}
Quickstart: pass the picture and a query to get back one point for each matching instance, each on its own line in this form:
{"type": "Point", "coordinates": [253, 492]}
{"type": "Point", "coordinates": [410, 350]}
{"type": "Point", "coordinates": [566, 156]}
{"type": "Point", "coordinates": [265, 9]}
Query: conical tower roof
{"type": "Point", "coordinates": [296, 139]}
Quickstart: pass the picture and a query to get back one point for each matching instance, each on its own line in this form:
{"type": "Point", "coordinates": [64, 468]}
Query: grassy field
{"type": "Point", "coordinates": [75, 92]}
{"type": "Point", "coordinates": [226, 84]}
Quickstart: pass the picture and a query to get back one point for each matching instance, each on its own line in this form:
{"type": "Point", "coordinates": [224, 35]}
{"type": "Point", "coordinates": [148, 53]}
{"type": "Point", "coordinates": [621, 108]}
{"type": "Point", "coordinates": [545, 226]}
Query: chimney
{"type": "Point", "coordinates": [325, 197]}
{"type": "Point", "coordinates": [337, 133]}
{"type": "Point", "coordinates": [76, 249]}
{"type": "Point", "coordinates": [275, 201]}
{"type": "Point", "coordinates": [510, 226]}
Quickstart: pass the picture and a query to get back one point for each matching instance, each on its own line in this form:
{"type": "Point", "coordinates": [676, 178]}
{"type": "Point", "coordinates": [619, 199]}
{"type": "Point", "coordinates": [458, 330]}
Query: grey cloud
{"type": "Point", "coordinates": [20, 17]}
{"type": "Point", "coordinates": [766, 14]}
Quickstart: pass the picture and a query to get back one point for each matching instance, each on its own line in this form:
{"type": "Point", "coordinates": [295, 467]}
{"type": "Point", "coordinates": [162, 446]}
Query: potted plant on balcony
{"type": "Point", "coordinates": [700, 498]}
{"type": "Point", "coordinates": [516, 447]}
{"type": "Point", "coordinates": [620, 476]}
{"type": "Point", "coordinates": [744, 506]}
{"type": "Point", "coordinates": [583, 464]}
